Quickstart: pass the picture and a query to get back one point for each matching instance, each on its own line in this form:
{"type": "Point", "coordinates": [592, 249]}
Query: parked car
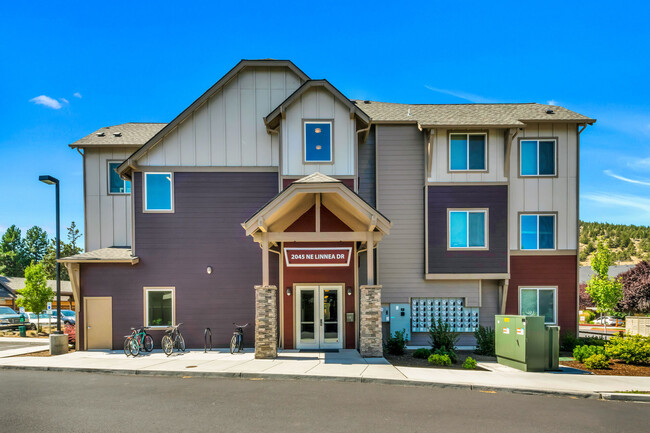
{"type": "Point", "coordinates": [9, 319]}
{"type": "Point", "coordinates": [68, 317]}
{"type": "Point", "coordinates": [43, 319]}
{"type": "Point", "coordinates": [609, 321]}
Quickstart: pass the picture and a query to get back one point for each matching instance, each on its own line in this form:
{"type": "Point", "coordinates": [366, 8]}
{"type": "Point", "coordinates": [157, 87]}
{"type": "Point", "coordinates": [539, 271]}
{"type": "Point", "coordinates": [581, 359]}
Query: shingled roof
{"type": "Point", "coordinates": [470, 115]}
{"type": "Point", "coordinates": [127, 134]}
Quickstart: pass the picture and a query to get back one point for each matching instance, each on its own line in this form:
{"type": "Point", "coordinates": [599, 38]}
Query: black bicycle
{"type": "Point", "coordinates": [173, 339]}
{"type": "Point", "coordinates": [237, 340]}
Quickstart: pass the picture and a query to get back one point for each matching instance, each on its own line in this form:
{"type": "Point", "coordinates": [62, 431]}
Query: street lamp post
{"type": "Point", "coordinates": [54, 181]}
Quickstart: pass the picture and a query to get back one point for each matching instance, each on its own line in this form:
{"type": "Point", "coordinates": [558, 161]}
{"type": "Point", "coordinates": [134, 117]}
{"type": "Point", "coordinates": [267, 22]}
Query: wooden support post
{"type": "Point", "coordinates": [265, 259]}
{"type": "Point", "coordinates": [370, 254]}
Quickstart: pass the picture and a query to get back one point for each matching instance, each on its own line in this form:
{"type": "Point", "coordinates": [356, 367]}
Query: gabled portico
{"type": "Point", "coordinates": [322, 216]}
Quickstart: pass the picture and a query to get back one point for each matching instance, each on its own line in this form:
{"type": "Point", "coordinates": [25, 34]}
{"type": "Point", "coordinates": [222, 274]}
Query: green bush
{"type": "Point", "coordinates": [597, 362]}
{"type": "Point", "coordinates": [470, 363]}
{"type": "Point", "coordinates": [441, 336]}
{"type": "Point", "coordinates": [568, 342]}
{"type": "Point", "coordinates": [422, 353]}
{"type": "Point", "coordinates": [484, 340]}
{"type": "Point", "coordinates": [453, 357]}
{"type": "Point", "coordinates": [442, 360]}
{"type": "Point", "coordinates": [631, 349]}
{"type": "Point", "coordinates": [580, 353]}
{"type": "Point", "coordinates": [589, 315]}
{"type": "Point", "coordinates": [396, 343]}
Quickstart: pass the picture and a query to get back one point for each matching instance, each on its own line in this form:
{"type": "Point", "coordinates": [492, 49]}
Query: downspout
{"type": "Point", "coordinates": [365, 130]}
{"type": "Point", "coordinates": [580, 131]}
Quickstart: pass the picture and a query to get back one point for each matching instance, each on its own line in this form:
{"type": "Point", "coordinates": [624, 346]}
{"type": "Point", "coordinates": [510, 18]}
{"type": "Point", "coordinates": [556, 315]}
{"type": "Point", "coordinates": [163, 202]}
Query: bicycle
{"type": "Point", "coordinates": [173, 339]}
{"type": "Point", "coordinates": [137, 341]}
{"type": "Point", "coordinates": [237, 340]}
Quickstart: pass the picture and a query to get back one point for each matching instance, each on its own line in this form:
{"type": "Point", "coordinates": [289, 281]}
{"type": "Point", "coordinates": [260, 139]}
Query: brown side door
{"type": "Point", "coordinates": [99, 322]}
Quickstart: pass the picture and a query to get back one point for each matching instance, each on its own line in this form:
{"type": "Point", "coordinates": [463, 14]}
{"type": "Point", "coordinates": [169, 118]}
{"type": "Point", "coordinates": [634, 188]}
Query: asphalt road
{"type": "Point", "coordinates": [91, 402]}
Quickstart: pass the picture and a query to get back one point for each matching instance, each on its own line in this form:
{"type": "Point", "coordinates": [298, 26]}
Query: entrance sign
{"type": "Point", "coordinates": [317, 257]}
{"type": "Point", "coordinates": [49, 306]}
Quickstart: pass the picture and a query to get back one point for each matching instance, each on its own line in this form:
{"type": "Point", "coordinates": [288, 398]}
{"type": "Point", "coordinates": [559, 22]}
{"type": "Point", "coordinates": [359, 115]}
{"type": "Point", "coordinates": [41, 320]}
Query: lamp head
{"type": "Point", "coordinates": [48, 179]}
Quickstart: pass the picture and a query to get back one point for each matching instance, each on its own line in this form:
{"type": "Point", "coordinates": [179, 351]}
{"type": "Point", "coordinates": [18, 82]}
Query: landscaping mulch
{"type": "Point", "coordinates": [615, 369]}
{"type": "Point", "coordinates": [407, 360]}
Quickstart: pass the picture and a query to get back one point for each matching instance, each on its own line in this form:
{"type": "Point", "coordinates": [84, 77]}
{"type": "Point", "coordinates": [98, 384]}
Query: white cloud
{"type": "Point", "coordinates": [622, 200]}
{"type": "Point", "coordinates": [626, 179]}
{"type": "Point", "coordinates": [552, 102]}
{"type": "Point", "coordinates": [77, 95]}
{"type": "Point", "coordinates": [462, 95]}
{"type": "Point", "coordinates": [47, 101]}
{"type": "Point", "coordinates": [65, 101]}
{"type": "Point", "coordinates": [640, 164]}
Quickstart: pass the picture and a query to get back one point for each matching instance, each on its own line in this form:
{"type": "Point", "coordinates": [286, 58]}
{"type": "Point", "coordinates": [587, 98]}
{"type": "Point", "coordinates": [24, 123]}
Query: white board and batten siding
{"type": "Point", "coordinates": [228, 129]}
{"type": "Point", "coordinates": [495, 159]}
{"type": "Point", "coordinates": [316, 104]}
{"type": "Point", "coordinates": [400, 196]}
{"type": "Point", "coordinates": [551, 194]}
{"type": "Point", "coordinates": [108, 216]}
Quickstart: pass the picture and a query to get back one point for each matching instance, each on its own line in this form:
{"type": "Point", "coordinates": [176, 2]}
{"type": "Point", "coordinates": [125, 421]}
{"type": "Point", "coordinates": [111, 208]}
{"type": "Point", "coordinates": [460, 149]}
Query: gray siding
{"type": "Point", "coordinates": [175, 250]}
{"type": "Point", "coordinates": [366, 170]}
{"type": "Point", "coordinates": [400, 196]}
{"type": "Point", "coordinates": [495, 199]}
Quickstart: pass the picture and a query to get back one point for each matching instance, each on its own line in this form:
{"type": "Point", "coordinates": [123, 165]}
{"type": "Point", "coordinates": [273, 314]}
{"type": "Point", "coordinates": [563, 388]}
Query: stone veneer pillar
{"type": "Point", "coordinates": [266, 322]}
{"type": "Point", "coordinates": [370, 338]}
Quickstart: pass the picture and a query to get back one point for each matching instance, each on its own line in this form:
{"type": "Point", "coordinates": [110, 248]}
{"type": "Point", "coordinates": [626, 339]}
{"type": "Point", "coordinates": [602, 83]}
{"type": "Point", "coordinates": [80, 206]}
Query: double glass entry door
{"type": "Point", "coordinates": [318, 319]}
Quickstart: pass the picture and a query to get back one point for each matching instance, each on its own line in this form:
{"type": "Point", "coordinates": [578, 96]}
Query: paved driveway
{"type": "Point", "coordinates": [12, 346]}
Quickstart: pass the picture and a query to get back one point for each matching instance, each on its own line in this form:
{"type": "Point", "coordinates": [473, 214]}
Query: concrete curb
{"type": "Point", "coordinates": [383, 381]}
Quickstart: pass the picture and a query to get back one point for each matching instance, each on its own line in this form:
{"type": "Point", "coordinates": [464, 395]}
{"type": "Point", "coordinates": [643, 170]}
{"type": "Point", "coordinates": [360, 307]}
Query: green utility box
{"type": "Point", "coordinates": [525, 343]}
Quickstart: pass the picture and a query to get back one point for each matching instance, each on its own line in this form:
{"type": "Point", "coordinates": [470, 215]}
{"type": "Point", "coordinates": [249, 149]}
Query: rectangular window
{"type": "Point", "coordinates": [537, 157]}
{"type": "Point", "coordinates": [158, 192]}
{"type": "Point", "coordinates": [159, 307]}
{"type": "Point", "coordinates": [117, 185]}
{"type": "Point", "coordinates": [467, 228]}
{"type": "Point", "coordinates": [538, 302]}
{"type": "Point", "coordinates": [537, 232]}
{"type": "Point", "coordinates": [467, 152]}
{"type": "Point", "coordinates": [318, 141]}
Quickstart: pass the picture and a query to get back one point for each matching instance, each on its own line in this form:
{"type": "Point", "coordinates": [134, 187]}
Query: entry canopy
{"type": "Point", "coordinates": [315, 190]}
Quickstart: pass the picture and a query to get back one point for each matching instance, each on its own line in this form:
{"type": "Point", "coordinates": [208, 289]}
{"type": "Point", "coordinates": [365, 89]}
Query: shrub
{"type": "Point", "coordinates": [396, 343]}
{"type": "Point", "coordinates": [442, 360]}
{"type": "Point", "coordinates": [441, 336]}
{"type": "Point", "coordinates": [470, 363]}
{"type": "Point", "coordinates": [631, 349]}
{"type": "Point", "coordinates": [580, 353]}
{"type": "Point", "coordinates": [484, 341]}
{"type": "Point", "coordinates": [568, 342]}
{"type": "Point", "coordinates": [450, 353]}
{"type": "Point", "coordinates": [422, 353]}
{"type": "Point", "coordinates": [597, 362]}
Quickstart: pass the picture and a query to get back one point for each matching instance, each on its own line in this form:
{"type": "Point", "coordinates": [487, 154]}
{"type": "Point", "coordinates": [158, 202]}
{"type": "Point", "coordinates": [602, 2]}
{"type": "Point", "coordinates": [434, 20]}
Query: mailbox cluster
{"type": "Point", "coordinates": [426, 311]}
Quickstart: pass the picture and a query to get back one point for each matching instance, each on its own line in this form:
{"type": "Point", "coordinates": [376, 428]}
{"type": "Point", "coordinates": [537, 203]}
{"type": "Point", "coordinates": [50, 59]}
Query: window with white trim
{"type": "Point", "coordinates": [318, 141]}
{"type": "Point", "coordinates": [539, 301]}
{"type": "Point", "coordinates": [159, 307]}
{"type": "Point", "coordinates": [158, 192]}
{"type": "Point", "coordinates": [117, 185]}
{"type": "Point", "coordinates": [467, 228]}
{"type": "Point", "coordinates": [537, 231]}
{"type": "Point", "coordinates": [468, 152]}
{"type": "Point", "coordinates": [537, 157]}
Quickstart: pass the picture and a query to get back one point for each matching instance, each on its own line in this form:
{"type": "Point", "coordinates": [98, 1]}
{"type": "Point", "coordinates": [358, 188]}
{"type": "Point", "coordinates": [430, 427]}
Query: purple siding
{"type": "Point", "coordinates": [494, 198]}
{"type": "Point", "coordinates": [175, 250]}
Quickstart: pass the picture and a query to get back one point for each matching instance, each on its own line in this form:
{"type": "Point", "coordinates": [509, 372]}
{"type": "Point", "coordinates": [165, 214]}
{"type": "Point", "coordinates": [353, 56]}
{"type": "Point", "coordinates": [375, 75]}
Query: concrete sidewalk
{"type": "Point", "coordinates": [14, 346]}
{"type": "Point", "coordinates": [346, 365]}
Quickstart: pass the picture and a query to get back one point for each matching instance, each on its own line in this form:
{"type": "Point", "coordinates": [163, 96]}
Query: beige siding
{"type": "Point", "coordinates": [495, 159]}
{"type": "Point", "coordinates": [400, 196]}
{"type": "Point", "coordinates": [108, 217]}
{"type": "Point", "coordinates": [554, 194]}
{"type": "Point", "coordinates": [318, 103]}
{"type": "Point", "coordinates": [228, 129]}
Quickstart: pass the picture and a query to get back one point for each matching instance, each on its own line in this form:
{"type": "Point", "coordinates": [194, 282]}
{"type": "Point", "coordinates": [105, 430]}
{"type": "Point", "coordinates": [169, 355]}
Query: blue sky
{"type": "Point", "coordinates": [96, 64]}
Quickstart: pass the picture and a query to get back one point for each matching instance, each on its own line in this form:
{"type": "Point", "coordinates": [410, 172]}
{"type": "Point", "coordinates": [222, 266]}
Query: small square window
{"type": "Point", "coordinates": [117, 185]}
{"type": "Point", "coordinates": [537, 232]}
{"type": "Point", "coordinates": [318, 141]}
{"type": "Point", "coordinates": [158, 191]}
{"type": "Point", "coordinates": [159, 307]}
{"type": "Point", "coordinates": [538, 302]}
{"type": "Point", "coordinates": [467, 152]}
{"type": "Point", "coordinates": [467, 229]}
{"type": "Point", "coordinates": [537, 157]}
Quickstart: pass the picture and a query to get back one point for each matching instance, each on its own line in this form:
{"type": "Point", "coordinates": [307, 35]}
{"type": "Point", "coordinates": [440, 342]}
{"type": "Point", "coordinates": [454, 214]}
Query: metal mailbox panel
{"type": "Point", "coordinates": [400, 319]}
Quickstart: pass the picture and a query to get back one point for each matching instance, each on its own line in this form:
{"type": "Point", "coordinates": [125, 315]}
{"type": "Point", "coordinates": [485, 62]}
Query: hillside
{"type": "Point", "coordinates": [631, 244]}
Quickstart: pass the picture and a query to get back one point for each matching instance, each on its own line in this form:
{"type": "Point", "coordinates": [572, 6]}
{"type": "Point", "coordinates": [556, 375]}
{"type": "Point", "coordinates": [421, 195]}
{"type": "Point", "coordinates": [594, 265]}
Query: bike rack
{"type": "Point", "coordinates": [207, 332]}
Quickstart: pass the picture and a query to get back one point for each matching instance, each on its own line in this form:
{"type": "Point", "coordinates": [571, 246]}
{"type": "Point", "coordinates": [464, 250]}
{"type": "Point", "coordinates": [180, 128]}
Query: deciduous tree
{"type": "Point", "coordinates": [605, 292]}
{"type": "Point", "coordinates": [36, 294]}
{"type": "Point", "coordinates": [636, 289]}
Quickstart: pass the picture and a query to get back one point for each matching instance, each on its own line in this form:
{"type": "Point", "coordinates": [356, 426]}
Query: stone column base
{"type": "Point", "coordinates": [58, 344]}
{"type": "Point", "coordinates": [370, 334]}
{"type": "Point", "coordinates": [266, 322]}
